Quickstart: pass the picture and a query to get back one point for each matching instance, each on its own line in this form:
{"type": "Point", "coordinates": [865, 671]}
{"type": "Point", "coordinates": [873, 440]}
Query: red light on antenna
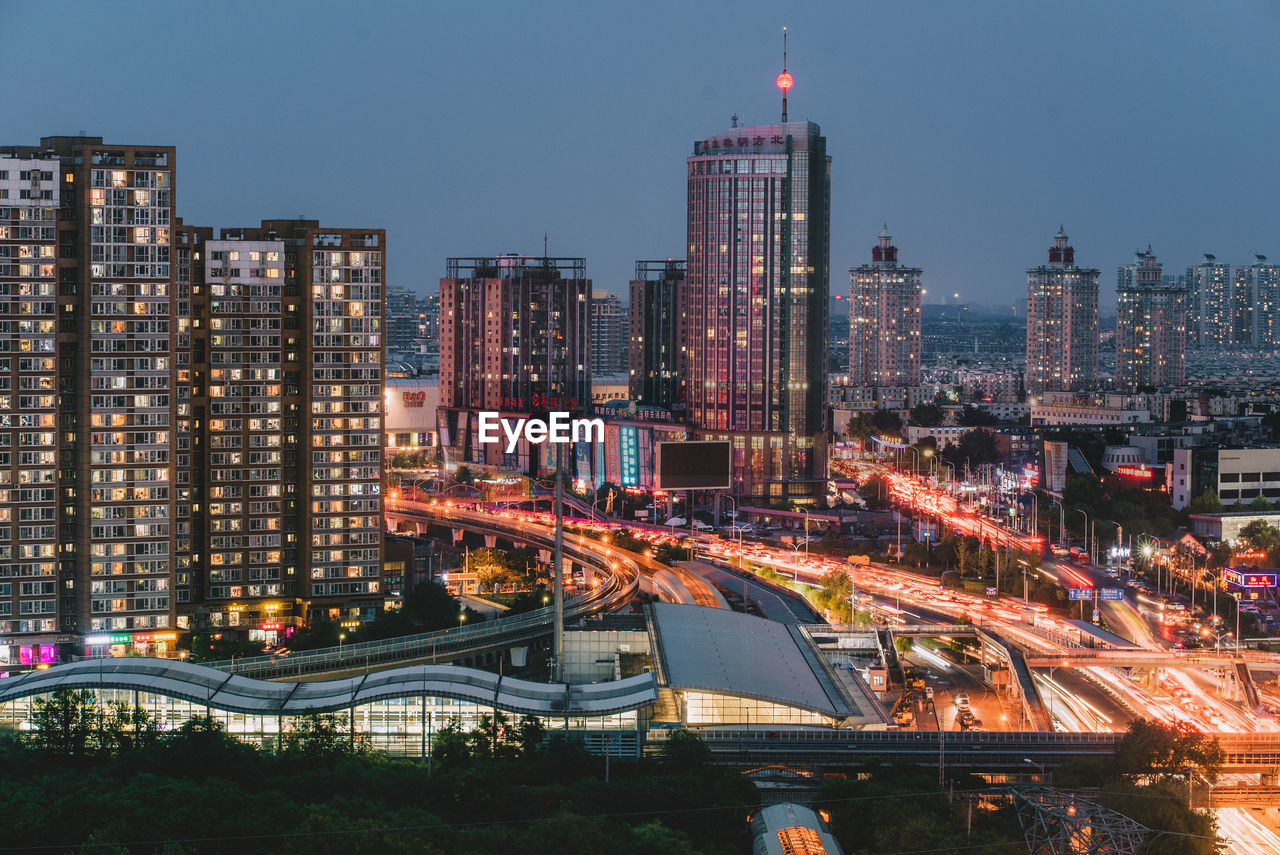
{"type": "Point", "coordinates": [785, 81]}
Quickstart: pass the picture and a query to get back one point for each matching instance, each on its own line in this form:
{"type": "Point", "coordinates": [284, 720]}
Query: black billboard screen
{"type": "Point", "coordinates": [695, 465]}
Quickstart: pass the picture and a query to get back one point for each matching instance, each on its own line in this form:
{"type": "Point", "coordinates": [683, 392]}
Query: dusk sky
{"type": "Point", "coordinates": [972, 129]}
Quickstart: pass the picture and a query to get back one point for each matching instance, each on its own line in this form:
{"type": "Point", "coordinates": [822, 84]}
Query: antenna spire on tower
{"type": "Point", "coordinates": [785, 80]}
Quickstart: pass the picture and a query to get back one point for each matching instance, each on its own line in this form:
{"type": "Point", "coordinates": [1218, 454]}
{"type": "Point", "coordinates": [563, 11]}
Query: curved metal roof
{"type": "Point", "coordinates": [216, 689]}
{"type": "Point", "coordinates": [717, 650]}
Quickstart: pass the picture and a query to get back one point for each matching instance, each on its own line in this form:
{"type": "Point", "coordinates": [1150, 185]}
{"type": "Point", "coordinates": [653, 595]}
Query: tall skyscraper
{"type": "Point", "coordinates": [515, 337]}
{"type": "Point", "coordinates": [609, 332]}
{"type": "Point", "coordinates": [759, 250]}
{"type": "Point", "coordinates": [1062, 323]}
{"type": "Point", "coordinates": [658, 334]}
{"type": "Point", "coordinates": [1211, 304]}
{"type": "Point", "coordinates": [1150, 326]}
{"type": "Point", "coordinates": [884, 319]}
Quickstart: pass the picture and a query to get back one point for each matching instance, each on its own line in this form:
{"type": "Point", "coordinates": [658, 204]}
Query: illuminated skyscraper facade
{"type": "Point", "coordinates": [1062, 323]}
{"type": "Point", "coordinates": [884, 320]}
{"type": "Point", "coordinates": [758, 286]}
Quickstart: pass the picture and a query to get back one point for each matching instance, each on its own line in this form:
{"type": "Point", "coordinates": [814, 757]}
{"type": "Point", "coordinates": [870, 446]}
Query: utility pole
{"type": "Point", "coordinates": [557, 570]}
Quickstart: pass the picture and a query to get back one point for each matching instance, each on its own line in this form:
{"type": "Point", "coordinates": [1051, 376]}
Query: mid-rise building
{"type": "Point", "coordinates": [1211, 304]}
{"type": "Point", "coordinates": [1150, 326]}
{"type": "Point", "coordinates": [884, 319]}
{"type": "Point", "coordinates": [758, 274]}
{"type": "Point", "coordinates": [1062, 323]}
{"type": "Point", "coordinates": [658, 345]}
{"type": "Point", "coordinates": [1237, 475]}
{"type": "Point", "coordinates": [429, 330]}
{"type": "Point", "coordinates": [515, 338]}
{"type": "Point", "coordinates": [609, 334]}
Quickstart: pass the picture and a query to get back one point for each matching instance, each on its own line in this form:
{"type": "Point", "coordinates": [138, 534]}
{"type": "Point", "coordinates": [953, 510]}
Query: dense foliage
{"type": "Point", "coordinates": [504, 787]}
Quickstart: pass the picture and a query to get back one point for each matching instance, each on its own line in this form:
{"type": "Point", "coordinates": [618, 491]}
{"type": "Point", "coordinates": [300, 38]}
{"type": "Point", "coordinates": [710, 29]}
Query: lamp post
{"type": "Point", "coordinates": [1039, 766]}
{"type": "Point", "coordinates": [1087, 548]}
{"type": "Point", "coordinates": [1062, 521]}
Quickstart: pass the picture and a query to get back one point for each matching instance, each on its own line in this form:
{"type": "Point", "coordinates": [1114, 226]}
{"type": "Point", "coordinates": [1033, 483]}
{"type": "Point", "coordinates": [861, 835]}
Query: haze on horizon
{"type": "Point", "coordinates": [973, 130]}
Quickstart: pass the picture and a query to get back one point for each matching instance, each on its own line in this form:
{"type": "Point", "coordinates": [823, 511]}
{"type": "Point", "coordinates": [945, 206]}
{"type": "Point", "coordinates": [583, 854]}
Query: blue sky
{"type": "Point", "coordinates": [472, 128]}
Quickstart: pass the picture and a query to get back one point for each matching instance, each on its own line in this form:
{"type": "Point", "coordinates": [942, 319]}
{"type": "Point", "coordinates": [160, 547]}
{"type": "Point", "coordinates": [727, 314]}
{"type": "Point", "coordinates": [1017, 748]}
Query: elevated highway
{"type": "Point", "coordinates": [621, 580]}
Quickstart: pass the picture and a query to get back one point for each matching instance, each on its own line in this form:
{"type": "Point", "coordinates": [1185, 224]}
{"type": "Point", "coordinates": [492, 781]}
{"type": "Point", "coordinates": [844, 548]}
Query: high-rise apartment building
{"type": "Point", "coordinates": [402, 322]}
{"type": "Point", "coordinates": [429, 329]}
{"type": "Point", "coordinates": [609, 332]}
{"type": "Point", "coordinates": [31, 585]}
{"type": "Point", "coordinates": [1062, 323]}
{"type": "Point", "coordinates": [1261, 281]}
{"type": "Point", "coordinates": [515, 338]}
{"type": "Point", "coordinates": [108, 573]}
{"type": "Point", "coordinates": [1150, 326]}
{"type": "Point", "coordinates": [190, 429]}
{"type": "Point", "coordinates": [884, 319]}
{"type": "Point", "coordinates": [1211, 304]}
{"type": "Point", "coordinates": [658, 334]}
{"type": "Point", "coordinates": [758, 286]}
{"type": "Point", "coordinates": [333, 329]}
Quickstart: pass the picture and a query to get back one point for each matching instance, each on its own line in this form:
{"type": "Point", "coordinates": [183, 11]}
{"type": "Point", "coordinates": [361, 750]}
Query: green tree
{"type": "Point", "coordinates": [1153, 748]}
{"type": "Point", "coordinates": [927, 415]}
{"type": "Point", "coordinates": [833, 594]}
{"type": "Point", "coordinates": [1206, 503]}
{"type": "Point", "coordinates": [1260, 534]}
{"type": "Point", "coordinates": [685, 750]}
{"type": "Point", "coordinates": [491, 567]}
{"type": "Point", "coordinates": [972, 416]}
{"type": "Point", "coordinates": [321, 735]}
{"type": "Point", "coordinates": [66, 724]}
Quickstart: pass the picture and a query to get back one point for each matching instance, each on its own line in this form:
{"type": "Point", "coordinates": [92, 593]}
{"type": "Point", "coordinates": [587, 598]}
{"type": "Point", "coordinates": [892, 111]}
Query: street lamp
{"type": "Point", "coordinates": [1039, 766]}
{"type": "Point", "coordinates": [462, 617]}
{"type": "Point", "coordinates": [1062, 521]}
{"type": "Point", "coordinates": [1088, 548]}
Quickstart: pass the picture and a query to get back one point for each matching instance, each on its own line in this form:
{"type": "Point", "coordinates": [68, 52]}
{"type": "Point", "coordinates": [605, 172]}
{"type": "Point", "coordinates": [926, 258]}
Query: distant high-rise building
{"type": "Point", "coordinates": [658, 331]}
{"type": "Point", "coordinates": [1262, 281]}
{"type": "Point", "coordinates": [429, 328]}
{"type": "Point", "coordinates": [1062, 323]}
{"type": "Point", "coordinates": [1150, 326]}
{"type": "Point", "coordinates": [884, 319]}
{"type": "Point", "coordinates": [402, 321]}
{"type": "Point", "coordinates": [758, 268]}
{"type": "Point", "coordinates": [515, 337]}
{"type": "Point", "coordinates": [609, 352]}
{"type": "Point", "coordinates": [1211, 304]}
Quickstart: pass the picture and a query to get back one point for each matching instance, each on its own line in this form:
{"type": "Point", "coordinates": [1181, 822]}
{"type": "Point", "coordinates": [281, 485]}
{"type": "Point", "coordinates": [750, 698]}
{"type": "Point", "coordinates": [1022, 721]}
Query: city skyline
{"type": "Point", "coordinates": [971, 123]}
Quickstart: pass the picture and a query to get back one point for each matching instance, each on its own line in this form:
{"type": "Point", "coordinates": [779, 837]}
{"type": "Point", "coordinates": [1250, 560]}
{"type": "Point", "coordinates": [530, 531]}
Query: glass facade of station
{"type": "Point", "coordinates": [401, 726]}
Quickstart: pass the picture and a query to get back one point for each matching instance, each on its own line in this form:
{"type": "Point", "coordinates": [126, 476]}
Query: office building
{"type": "Point", "coordinates": [1150, 326]}
{"type": "Point", "coordinates": [515, 337]}
{"type": "Point", "coordinates": [428, 340]}
{"type": "Point", "coordinates": [758, 289]}
{"type": "Point", "coordinates": [609, 333]}
{"type": "Point", "coordinates": [1211, 304]}
{"type": "Point", "coordinates": [1062, 323]}
{"type": "Point", "coordinates": [884, 319]}
{"type": "Point", "coordinates": [1237, 475]}
{"type": "Point", "coordinates": [658, 331]}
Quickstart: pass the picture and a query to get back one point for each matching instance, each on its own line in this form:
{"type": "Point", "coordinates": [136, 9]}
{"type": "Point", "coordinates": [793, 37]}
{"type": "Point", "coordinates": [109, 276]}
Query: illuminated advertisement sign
{"type": "Point", "coordinates": [1249, 579]}
{"type": "Point", "coordinates": [1134, 472]}
{"type": "Point", "coordinates": [630, 456]}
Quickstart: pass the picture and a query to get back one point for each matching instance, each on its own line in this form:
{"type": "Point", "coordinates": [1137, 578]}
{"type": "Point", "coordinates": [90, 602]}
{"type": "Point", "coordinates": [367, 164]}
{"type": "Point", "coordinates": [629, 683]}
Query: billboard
{"type": "Point", "coordinates": [1250, 579]}
{"type": "Point", "coordinates": [1054, 470]}
{"type": "Point", "coordinates": [693, 465]}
